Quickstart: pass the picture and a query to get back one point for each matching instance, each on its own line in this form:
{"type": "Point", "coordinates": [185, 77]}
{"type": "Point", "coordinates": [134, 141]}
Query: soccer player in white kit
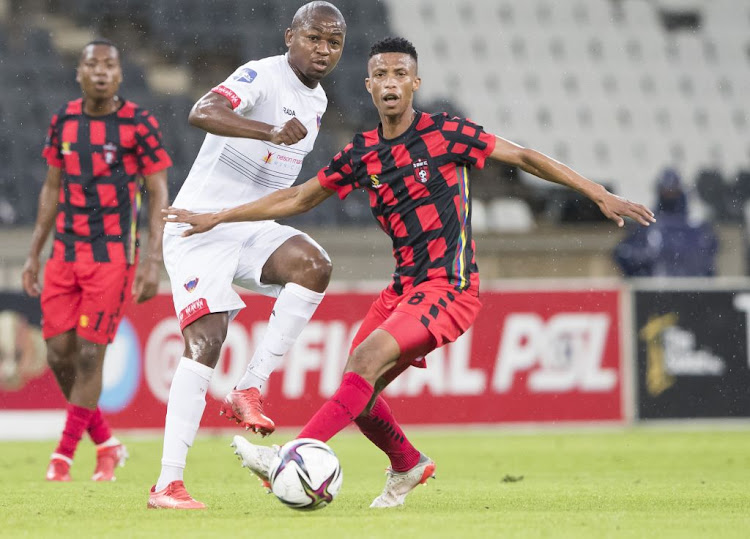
{"type": "Point", "coordinates": [261, 122]}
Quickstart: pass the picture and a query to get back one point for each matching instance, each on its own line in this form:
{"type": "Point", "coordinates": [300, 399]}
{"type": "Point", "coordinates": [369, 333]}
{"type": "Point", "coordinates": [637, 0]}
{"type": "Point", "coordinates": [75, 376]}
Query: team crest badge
{"type": "Point", "coordinates": [191, 284]}
{"type": "Point", "coordinates": [246, 75]}
{"type": "Point", "coordinates": [422, 170]}
{"type": "Point", "coordinates": [110, 152]}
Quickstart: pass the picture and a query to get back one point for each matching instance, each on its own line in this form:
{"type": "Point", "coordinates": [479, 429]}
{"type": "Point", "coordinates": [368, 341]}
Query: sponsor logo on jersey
{"type": "Point", "coordinates": [289, 111]}
{"type": "Point", "coordinates": [375, 181]}
{"type": "Point", "coordinates": [289, 159]}
{"type": "Point", "coordinates": [267, 159]}
{"type": "Point", "coordinates": [422, 170]}
{"type": "Point", "coordinates": [191, 284]}
{"type": "Point", "coordinates": [198, 307]}
{"type": "Point", "coordinates": [229, 94]}
{"type": "Point", "coordinates": [246, 75]}
{"type": "Point", "coordinates": [110, 152]}
{"type": "Point", "coordinates": [318, 119]}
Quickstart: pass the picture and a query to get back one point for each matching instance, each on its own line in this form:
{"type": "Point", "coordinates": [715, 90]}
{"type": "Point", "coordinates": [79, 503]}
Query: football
{"type": "Point", "coordinates": [306, 474]}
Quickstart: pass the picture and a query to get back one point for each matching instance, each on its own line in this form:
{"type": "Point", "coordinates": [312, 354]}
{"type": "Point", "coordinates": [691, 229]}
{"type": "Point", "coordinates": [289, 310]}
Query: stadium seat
{"type": "Point", "coordinates": [592, 12]}
{"type": "Point", "coordinates": [641, 15]}
{"type": "Point", "coordinates": [586, 80]}
{"type": "Point", "coordinates": [479, 216]}
{"type": "Point", "coordinates": [710, 186]}
{"type": "Point", "coordinates": [509, 215]}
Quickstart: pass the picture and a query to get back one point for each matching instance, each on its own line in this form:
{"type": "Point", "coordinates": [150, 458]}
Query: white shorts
{"type": "Point", "coordinates": [203, 267]}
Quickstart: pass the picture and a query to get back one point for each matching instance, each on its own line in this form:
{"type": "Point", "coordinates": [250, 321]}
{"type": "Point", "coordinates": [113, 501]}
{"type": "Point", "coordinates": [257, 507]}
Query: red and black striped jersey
{"type": "Point", "coordinates": [419, 192]}
{"type": "Point", "coordinates": [102, 159]}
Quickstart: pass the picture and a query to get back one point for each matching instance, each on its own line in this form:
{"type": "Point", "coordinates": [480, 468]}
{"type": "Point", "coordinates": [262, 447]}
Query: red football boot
{"type": "Point", "coordinates": [59, 468]}
{"type": "Point", "coordinates": [173, 496]}
{"type": "Point", "coordinates": [245, 406]}
{"type": "Point", "coordinates": [107, 459]}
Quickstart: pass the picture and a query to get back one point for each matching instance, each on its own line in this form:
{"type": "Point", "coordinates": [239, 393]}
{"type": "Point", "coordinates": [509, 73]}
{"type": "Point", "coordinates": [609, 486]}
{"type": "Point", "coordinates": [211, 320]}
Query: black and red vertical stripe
{"type": "Point", "coordinates": [418, 185]}
{"type": "Point", "coordinates": [101, 159]}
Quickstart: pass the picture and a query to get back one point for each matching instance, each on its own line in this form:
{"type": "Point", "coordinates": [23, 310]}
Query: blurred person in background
{"type": "Point", "coordinates": [22, 351]}
{"type": "Point", "coordinates": [673, 246]}
{"type": "Point", "coordinates": [415, 167]}
{"type": "Point", "coordinates": [261, 122]}
{"type": "Point", "coordinates": [98, 147]}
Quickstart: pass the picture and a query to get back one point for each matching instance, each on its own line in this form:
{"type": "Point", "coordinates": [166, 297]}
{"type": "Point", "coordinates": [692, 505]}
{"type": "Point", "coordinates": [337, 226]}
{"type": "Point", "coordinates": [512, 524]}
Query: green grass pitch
{"type": "Point", "coordinates": [640, 482]}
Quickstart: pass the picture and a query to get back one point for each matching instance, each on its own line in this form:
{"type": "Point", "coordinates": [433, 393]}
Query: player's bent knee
{"type": "Point", "coordinates": [364, 364]}
{"type": "Point", "coordinates": [323, 266]}
{"type": "Point", "coordinates": [90, 359]}
{"type": "Point", "coordinates": [57, 359]}
{"type": "Point", "coordinates": [313, 271]}
{"type": "Point", "coordinates": [88, 365]}
{"type": "Point", "coordinates": [205, 349]}
{"type": "Point", "coordinates": [61, 351]}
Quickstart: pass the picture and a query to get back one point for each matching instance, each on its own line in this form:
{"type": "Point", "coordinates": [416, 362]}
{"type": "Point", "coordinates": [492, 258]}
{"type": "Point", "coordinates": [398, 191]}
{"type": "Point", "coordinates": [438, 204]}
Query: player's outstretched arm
{"type": "Point", "coordinates": [214, 113]}
{"type": "Point", "coordinates": [45, 219]}
{"type": "Point", "coordinates": [146, 282]}
{"type": "Point", "coordinates": [542, 166]}
{"type": "Point", "coordinates": [282, 203]}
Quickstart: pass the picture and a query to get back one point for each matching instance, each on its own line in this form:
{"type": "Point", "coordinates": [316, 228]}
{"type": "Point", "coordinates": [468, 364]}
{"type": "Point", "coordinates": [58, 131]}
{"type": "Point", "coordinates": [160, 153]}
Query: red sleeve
{"type": "Point", "coordinates": [152, 156]}
{"type": "Point", "coordinates": [229, 94]}
{"type": "Point", "coordinates": [338, 176]}
{"type": "Point", "coordinates": [469, 142]}
{"type": "Point", "coordinates": [52, 151]}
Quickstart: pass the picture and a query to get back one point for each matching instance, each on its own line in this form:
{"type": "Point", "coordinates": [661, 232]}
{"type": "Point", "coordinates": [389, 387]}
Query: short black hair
{"type": "Point", "coordinates": [394, 44]}
{"type": "Point", "coordinates": [101, 41]}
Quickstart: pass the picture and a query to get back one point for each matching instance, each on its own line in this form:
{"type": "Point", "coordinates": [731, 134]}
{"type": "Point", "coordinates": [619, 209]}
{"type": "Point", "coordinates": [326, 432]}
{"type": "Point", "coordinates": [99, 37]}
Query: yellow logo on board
{"type": "Point", "coordinates": [658, 377]}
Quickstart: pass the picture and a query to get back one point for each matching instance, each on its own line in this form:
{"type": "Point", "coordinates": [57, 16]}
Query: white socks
{"type": "Point", "coordinates": [187, 400]}
{"type": "Point", "coordinates": [292, 311]}
{"type": "Point", "coordinates": [187, 396]}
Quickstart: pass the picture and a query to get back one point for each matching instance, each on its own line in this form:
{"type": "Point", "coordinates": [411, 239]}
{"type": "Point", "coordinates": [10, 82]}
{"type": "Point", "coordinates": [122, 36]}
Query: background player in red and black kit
{"type": "Point", "coordinates": [97, 149]}
{"type": "Point", "coordinates": [415, 168]}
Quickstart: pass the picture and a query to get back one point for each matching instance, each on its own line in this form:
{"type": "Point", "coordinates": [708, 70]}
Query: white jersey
{"type": "Point", "coordinates": [230, 171]}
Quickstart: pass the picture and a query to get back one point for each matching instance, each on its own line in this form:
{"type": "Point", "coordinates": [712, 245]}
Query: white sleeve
{"type": "Point", "coordinates": [245, 87]}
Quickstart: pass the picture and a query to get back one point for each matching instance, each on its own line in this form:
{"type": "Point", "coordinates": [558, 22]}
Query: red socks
{"type": "Point", "coordinates": [77, 421]}
{"type": "Point", "coordinates": [342, 408]}
{"type": "Point", "coordinates": [381, 428]}
{"type": "Point", "coordinates": [98, 428]}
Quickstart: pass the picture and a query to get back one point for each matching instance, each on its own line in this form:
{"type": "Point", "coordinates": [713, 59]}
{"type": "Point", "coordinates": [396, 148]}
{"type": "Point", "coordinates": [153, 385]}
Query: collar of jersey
{"type": "Point", "coordinates": [296, 83]}
{"type": "Point", "coordinates": [403, 135]}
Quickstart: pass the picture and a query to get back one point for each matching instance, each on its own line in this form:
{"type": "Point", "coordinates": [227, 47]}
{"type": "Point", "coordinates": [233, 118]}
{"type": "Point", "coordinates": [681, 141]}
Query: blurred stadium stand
{"type": "Point", "coordinates": [618, 89]}
{"type": "Point", "coordinates": [202, 41]}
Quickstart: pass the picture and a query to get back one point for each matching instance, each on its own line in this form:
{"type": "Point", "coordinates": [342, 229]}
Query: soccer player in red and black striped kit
{"type": "Point", "coordinates": [415, 167]}
{"type": "Point", "coordinates": [97, 149]}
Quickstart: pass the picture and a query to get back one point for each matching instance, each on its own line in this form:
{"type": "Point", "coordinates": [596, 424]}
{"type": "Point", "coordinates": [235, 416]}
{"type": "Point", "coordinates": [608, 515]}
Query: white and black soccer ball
{"type": "Point", "coordinates": [306, 474]}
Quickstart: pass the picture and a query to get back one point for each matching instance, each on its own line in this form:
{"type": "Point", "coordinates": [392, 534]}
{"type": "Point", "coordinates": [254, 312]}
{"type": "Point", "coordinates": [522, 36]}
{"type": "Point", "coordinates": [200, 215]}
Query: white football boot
{"type": "Point", "coordinates": [399, 484]}
{"type": "Point", "coordinates": [257, 458]}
